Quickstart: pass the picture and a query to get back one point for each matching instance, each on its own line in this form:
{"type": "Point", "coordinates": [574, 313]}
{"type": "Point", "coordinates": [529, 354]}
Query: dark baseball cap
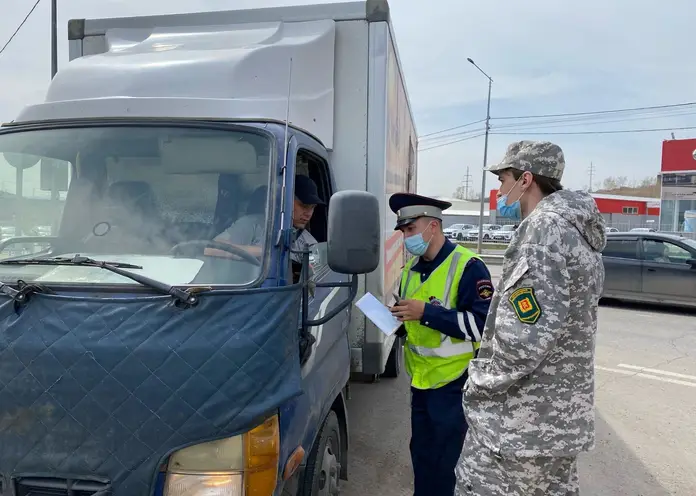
{"type": "Point", "coordinates": [306, 191]}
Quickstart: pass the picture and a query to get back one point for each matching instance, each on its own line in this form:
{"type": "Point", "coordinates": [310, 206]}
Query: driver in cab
{"type": "Point", "coordinates": [248, 231]}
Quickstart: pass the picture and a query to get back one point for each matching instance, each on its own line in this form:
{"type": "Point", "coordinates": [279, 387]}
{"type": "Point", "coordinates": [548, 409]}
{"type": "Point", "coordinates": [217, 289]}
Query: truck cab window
{"type": "Point", "coordinates": [315, 168]}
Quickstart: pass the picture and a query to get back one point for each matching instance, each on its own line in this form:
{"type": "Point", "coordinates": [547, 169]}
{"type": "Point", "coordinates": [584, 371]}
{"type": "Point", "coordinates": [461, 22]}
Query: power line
{"type": "Point", "coordinates": [451, 142]}
{"type": "Point", "coordinates": [599, 120]}
{"type": "Point", "coordinates": [451, 129]}
{"type": "Point", "coordinates": [21, 24]}
{"type": "Point", "coordinates": [598, 112]}
{"type": "Point", "coordinates": [614, 131]}
{"type": "Point", "coordinates": [460, 134]}
{"type": "Point", "coordinates": [582, 117]}
{"type": "Point", "coordinates": [535, 125]}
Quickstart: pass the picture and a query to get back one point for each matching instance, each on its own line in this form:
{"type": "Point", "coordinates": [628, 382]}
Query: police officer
{"type": "Point", "coordinates": [529, 399]}
{"type": "Point", "coordinates": [445, 292]}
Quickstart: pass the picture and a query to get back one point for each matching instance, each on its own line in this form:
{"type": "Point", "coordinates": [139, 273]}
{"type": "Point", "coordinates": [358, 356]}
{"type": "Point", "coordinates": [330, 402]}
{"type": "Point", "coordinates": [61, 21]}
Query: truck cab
{"type": "Point", "coordinates": [138, 360]}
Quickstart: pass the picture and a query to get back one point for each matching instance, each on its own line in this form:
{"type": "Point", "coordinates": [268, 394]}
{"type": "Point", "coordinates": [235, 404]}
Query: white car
{"type": "Point", "coordinates": [610, 229]}
{"type": "Point", "coordinates": [504, 233]}
{"type": "Point", "coordinates": [488, 231]}
{"type": "Point", "coordinates": [458, 231]}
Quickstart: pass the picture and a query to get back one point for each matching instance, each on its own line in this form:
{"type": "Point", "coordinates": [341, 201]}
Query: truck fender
{"type": "Point", "coordinates": [339, 407]}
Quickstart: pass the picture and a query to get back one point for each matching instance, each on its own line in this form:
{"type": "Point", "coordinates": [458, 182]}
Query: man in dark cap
{"type": "Point", "coordinates": [529, 400]}
{"type": "Point", "coordinates": [445, 292]}
{"type": "Point", "coordinates": [248, 232]}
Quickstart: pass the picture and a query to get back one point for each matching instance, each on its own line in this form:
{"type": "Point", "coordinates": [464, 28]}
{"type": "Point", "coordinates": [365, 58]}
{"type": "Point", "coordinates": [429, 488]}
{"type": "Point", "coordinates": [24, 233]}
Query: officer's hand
{"type": "Point", "coordinates": [408, 310]}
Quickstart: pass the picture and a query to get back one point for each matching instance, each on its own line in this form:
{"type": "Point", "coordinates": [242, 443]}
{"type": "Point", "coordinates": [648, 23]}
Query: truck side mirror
{"type": "Point", "coordinates": [21, 160]}
{"type": "Point", "coordinates": [354, 232]}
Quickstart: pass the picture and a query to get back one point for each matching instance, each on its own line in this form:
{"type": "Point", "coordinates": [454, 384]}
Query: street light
{"type": "Point", "coordinates": [54, 38]}
{"type": "Point", "coordinates": [479, 244]}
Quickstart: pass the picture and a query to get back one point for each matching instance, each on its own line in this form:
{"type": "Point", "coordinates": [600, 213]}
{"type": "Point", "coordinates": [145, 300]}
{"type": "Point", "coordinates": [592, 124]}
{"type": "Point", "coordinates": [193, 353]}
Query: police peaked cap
{"type": "Point", "coordinates": [409, 207]}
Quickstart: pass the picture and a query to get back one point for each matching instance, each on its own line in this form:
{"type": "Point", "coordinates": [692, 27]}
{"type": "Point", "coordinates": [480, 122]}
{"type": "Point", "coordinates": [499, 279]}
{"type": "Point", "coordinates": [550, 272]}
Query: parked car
{"type": "Point", "coordinates": [643, 229]}
{"type": "Point", "coordinates": [650, 267]}
{"type": "Point", "coordinates": [488, 231]}
{"type": "Point", "coordinates": [504, 233]}
{"type": "Point", "coordinates": [458, 231]}
{"type": "Point", "coordinates": [610, 229]}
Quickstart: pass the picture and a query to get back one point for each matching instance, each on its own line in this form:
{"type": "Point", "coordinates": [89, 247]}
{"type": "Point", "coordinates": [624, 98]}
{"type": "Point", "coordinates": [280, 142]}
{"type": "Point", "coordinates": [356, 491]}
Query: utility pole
{"type": "Point", "coordinates": [591, 170]}
{"type": "Point", "coordinates": [54, 38]}
{"type": "Point", "coordinates": [467, 182]}
{"type": "Point", "coordinates": [479, 244]}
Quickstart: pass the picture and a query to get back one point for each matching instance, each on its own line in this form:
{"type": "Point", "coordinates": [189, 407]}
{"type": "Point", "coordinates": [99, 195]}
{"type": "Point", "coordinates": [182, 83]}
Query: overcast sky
{"type": "Point", "coordinates": [545, 56]}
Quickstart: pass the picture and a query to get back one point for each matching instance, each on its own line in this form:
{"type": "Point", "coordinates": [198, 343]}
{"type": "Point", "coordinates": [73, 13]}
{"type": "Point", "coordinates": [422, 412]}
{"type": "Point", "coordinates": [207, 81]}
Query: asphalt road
{"type": "Point", "coordinates": [646, 413]}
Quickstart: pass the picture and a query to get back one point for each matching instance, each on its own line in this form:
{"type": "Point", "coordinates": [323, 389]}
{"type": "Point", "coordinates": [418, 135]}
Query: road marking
{"type": "Point", "coordinates": [658, 372]}
{"type": "Point", "coordinates": [647, 376]}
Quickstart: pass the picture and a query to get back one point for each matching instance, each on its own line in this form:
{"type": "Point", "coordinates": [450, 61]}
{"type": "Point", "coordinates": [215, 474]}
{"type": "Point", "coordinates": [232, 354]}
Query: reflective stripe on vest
{"type": "Point", "coordinates": [447, 348]}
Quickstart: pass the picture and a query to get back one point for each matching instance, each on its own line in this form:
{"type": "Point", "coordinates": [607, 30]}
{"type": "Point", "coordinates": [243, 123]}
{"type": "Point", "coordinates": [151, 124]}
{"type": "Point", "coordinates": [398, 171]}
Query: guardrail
{"type": "Point", "coordinates": [492, 259]}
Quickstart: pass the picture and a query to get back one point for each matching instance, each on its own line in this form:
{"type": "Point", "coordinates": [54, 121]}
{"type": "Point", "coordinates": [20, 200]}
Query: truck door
{"type": "Point", "coordinates": [326, 370]}
{"type": "Point", "coordinates": [334, 331]}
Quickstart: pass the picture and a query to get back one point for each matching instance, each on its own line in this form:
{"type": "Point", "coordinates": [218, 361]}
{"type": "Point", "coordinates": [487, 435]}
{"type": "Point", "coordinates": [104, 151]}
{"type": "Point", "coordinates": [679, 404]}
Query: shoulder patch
{"type": "Point", "coordinates": [484, 288]}
{"type": "Point", "coordinates": [435, 301]}
{"type": "Point", "coordinates": [525, 305]}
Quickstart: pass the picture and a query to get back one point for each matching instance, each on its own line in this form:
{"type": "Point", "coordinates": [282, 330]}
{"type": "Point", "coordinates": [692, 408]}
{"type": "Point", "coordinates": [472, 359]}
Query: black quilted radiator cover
{"type": "Point", "coordinates": [107, 388]}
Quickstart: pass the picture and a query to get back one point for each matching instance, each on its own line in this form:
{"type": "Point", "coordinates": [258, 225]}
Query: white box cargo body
{"type": "Point", "coordinates": [347, 90]}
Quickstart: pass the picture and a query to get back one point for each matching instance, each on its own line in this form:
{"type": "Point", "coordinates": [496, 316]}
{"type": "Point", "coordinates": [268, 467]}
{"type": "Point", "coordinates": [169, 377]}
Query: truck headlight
{"type": "Point", "coordinates": [244, 465]}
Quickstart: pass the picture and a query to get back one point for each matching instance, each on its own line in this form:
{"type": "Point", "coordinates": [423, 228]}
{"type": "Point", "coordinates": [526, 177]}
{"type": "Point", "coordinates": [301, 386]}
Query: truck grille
{"type": "Point", "coordinates": [50, 486]}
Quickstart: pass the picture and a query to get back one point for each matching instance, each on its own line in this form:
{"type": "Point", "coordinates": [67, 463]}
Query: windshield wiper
{"type": "Point", "coordinates": [76, 260]}
{"type": "Point", "coordinates": [116, 268]}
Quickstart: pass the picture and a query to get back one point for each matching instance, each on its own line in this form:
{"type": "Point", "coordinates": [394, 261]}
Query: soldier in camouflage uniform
{"type": "Point", "coordinates": [529, 399]}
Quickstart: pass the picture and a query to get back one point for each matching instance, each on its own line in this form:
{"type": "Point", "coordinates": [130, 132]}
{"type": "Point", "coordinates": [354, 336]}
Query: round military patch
{"type": "Point", "coordinates": [526, 306]}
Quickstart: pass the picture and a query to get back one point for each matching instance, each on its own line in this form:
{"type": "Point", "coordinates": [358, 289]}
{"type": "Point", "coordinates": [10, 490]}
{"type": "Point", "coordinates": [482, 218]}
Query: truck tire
{"type": "Point", "coordinates": [393, 368]}
{"type": "Point", "coordinates": [322, 475]}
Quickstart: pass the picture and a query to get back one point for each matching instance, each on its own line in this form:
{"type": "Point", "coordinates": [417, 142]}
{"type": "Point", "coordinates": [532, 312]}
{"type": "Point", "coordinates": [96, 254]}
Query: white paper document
{"type": "Point", "coordinates": [378, 314]}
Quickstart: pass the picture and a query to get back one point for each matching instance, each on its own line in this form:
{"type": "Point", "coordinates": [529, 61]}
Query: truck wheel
{"type": "Point", "coordinates": [393, 367]}
{"type": "Point", "coordinates": [322, 476]}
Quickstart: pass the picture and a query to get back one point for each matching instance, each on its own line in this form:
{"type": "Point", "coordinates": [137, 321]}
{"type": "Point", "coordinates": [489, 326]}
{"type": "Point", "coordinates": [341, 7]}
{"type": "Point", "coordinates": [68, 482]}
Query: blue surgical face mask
{"type": "Point", "coordinates": [416, 245]}
{"type": "Point", "coordinates": [513, 211]}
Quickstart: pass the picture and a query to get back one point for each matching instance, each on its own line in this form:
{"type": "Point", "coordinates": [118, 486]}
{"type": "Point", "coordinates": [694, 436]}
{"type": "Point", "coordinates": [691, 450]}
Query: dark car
{"type": "Point", "coordinates": [650, 267]}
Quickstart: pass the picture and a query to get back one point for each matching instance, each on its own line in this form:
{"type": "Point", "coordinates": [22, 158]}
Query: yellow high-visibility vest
{"type": "Point", "coordinates": [434, 359]}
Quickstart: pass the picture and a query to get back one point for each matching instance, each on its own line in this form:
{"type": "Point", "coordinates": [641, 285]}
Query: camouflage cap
{"type": "Point", "coordinates": [542, 158]}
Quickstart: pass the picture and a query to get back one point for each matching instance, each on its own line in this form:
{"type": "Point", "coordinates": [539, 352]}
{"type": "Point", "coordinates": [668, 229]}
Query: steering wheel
{"type": "Point", "coordinates": [206, 243]}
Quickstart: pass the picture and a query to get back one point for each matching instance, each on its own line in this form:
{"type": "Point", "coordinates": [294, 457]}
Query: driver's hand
{"type": "Point", "coordinates": [214, 252]}
{"type": "Point", "coordinates": [255, 251]}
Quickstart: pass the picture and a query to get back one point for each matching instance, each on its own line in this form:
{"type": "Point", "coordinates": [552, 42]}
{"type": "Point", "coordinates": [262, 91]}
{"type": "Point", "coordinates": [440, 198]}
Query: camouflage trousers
{"type": "Point", "coordinates": [481, 472]}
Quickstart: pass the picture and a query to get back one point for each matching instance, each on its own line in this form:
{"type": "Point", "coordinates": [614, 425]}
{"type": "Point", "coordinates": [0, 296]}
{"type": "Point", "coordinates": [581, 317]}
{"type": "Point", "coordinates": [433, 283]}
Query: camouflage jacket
{"type": "Point", "coordinates": [531, 389]}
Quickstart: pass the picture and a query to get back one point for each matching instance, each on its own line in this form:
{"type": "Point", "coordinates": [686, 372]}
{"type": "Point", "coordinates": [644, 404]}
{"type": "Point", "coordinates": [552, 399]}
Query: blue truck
{"type": "Point", "coordinates": [132, 361]}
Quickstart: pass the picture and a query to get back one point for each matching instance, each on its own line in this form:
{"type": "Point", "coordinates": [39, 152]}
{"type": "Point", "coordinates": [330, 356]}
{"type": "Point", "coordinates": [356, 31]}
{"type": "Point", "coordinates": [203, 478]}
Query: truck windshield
{"type": "Point", "coordinates": [186, 204]}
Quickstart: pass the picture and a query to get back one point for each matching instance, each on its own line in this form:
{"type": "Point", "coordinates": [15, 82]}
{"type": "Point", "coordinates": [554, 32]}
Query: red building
{"type": "Point", "coordinates": [627, 205]}
{"type": "Point", "coordinates": [678, 180]}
